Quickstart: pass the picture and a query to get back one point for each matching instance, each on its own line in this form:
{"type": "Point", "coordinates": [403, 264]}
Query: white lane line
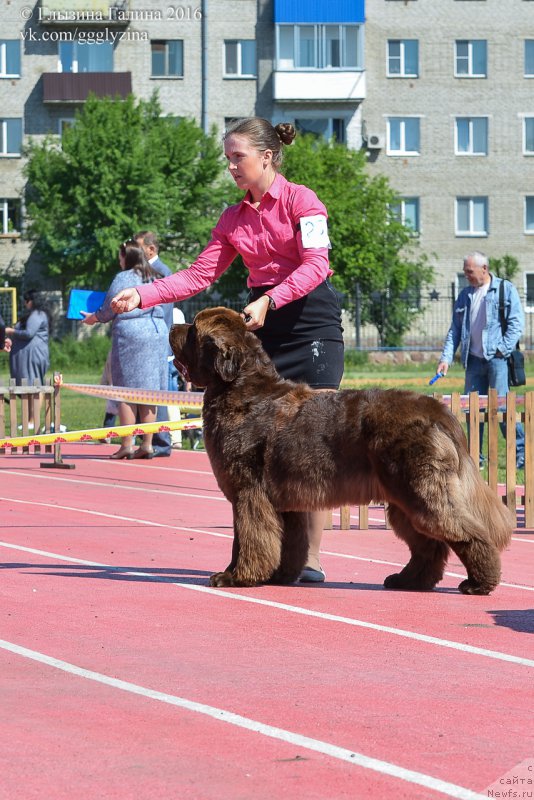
{"type": "Point", "coordinates": [176, 493]}
{"type": "Point", "coordinates": [369, 560]}
{"type": "Point", "coordinates": [149, 523]}
{"type": "Point", "coordinates": [280, 734]}
{"type": "Point", "coordinates": [118, 486]}
{"type": "Point", "coordinates": [233, 595]}
{"type": "Point", "coordinates": [107, 515]}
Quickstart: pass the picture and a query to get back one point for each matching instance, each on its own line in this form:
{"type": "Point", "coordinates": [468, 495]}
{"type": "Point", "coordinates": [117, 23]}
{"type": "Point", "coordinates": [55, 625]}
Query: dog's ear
{"type": "Point", "coordinates": [228, 362]}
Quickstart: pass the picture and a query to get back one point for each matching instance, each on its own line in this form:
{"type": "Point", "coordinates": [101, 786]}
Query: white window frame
{"type": "Point", "coordinates": [4, 216]}
{"type": "Point", "coordinates": [527, 117]}
{"type": "Point", "coordinates": [529, 308]}
{"type": "Point", "coordinates": [472, 232]}
{"type": "Point", "coordinates": [402, 151]}
{"type": "Point", "coordinates": [3, 61]}
{"type": "Point", "coordinates": [527, 231]}
{"type": "Point", "coordinates": [329, 118]}
{"type": "Point", "coordinates": [320, 48]}
{"type": "Point", "coordinates": [75, 62]}
{"type": "Point", "coordinates": [525, 73]}
{"type": "Point", "coordinates": [239, 73]}
{"type": "Point", "coordinates": [167, 75]}
{"type": "Point", "coordinates": [64, 122]}
{"type": "Point", "coordinates": [403, 73]}
{"type": "Point", "coordinates": [402, 203]}
{"type": "Point", "coordinates": [3, 138]}
{"type": "Point", "coordinates": [470, 73]}
{"type": "Point", "coordinates": [471, 152]}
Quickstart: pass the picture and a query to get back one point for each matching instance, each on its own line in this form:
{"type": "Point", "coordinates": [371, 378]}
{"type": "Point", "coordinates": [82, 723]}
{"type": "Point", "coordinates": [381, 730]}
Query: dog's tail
{"type": "Point", "coordinates": [483, 511]}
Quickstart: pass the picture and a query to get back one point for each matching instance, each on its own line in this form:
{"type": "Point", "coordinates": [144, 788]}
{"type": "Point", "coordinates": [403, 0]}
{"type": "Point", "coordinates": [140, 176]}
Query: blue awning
{"type": "Point", "coordinates": [319, 11]}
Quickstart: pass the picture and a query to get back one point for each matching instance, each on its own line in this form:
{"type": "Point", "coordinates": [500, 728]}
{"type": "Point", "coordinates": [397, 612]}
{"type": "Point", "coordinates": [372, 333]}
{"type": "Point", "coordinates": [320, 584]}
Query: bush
{"type": "Point", "coordinates": [356, 358]}
{"type": "Point", "coordinates": [69, 353]}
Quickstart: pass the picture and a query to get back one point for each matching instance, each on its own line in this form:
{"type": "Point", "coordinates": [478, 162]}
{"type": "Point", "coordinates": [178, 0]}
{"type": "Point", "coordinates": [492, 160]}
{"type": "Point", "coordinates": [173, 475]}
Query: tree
{"type": "Point", "coordinates": [505, 267]}
{"type": "Point", "coordinates": [119, 168]}
{"type": "Point", "coordinates": [371, 249]}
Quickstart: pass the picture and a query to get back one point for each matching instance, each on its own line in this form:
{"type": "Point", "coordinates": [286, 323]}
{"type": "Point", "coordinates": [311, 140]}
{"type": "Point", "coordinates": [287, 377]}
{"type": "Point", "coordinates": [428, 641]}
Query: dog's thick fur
{"type": "Point", "coordinates": [279, 449]}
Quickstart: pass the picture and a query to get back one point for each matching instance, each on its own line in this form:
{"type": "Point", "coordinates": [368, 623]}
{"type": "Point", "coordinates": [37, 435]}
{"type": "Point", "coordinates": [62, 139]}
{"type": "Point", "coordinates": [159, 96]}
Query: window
{"type": "Point", "coordinates": [9, 58]}
{"type": "Point", "coordinates": [529, 214]}
{"type": "Point", "coordinates": [327, 127]}
{"type": "Point", "coordinates": [319, 47]}
{"type": "Point", "coordinates": [64, 123]}
{"type": "Point", "coordinates": [167, 59]}
{"type": "Point", "coordinates": [403, 135]}
{"type": "Point", "coordinates": [529, 58]}
{"type": "Point", "coordinates": [529, 292]}
{"type": "Point", "coordinates": [528, 135]}
{"type": "Point", "coordinates": [10, 216]}
{"type": "Point", "coordinates": [10, 137]}
{"type": "Point", "coordinates": [471, 58]}
{"type": "Point", "coordinates": [403, 58]}
{"type": "Point", "coordinates": [407, 212]}
{"type": "Point", "coordinates": [471, 216]}
{"type": "Point", "coordinates": [471, 137]}
{"type": "Point", "coordinates": [85, 57]}
{"type": "Point", "coordinates": [240, 58]}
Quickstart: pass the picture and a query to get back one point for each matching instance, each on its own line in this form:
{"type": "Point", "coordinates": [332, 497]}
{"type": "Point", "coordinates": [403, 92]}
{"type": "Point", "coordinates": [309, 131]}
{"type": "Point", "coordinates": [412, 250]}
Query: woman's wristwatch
{"type": "Point", "coordinates": [272, 304]}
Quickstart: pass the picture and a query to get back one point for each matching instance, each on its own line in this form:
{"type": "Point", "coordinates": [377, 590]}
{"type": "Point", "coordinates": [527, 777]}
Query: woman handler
{"type": "Point", "coordinates": [280, 230]}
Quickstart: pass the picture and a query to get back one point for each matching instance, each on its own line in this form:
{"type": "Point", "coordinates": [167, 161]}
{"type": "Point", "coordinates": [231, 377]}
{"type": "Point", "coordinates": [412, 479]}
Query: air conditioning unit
{"type": "Point", "coordinates": [375, 141]}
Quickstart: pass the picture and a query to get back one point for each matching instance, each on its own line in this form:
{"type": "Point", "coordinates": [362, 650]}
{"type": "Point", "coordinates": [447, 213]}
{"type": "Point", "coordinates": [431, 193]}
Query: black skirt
{"type": "Point", "coordinates": [305, 338]}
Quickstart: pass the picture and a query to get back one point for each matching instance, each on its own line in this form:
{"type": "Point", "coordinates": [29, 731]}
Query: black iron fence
{"type": "Point", "coordinates": [430, 312]}
{"type": "Point", "coordinates": [428, 316]}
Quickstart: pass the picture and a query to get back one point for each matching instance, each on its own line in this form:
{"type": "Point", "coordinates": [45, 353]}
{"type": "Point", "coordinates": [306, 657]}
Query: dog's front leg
{"type": "Point", "coordinates": [257, 544]}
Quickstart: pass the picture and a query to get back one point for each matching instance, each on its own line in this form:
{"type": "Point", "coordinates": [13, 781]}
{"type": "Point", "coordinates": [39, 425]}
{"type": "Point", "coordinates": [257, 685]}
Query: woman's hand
{"type": "Point", "coordinates": [88, 317]}
{"type": "Point", "coordinates": [256, 311]}
{"type": "Point", "coordinates": [7, 345]}
{"type": "Point", "coordinates": [126, 300]}
{"type": "Point", "coordinates": [443, 368]}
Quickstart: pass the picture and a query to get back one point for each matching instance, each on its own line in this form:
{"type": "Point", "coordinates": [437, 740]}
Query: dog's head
{"type": "Point", "coordinates": [214, 349]}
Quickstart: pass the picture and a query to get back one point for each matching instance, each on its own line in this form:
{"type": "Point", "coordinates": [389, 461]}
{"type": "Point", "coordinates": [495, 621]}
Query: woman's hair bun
{"type": "Point", "coordinates": [286, 131]}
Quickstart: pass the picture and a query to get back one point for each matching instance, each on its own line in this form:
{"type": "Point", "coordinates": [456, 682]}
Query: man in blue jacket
{"type": "Point", "coordinates": [477, 328]}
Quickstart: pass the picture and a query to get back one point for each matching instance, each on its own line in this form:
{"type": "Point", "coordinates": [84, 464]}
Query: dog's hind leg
{"type": "Point", "coordinates": [294, 547]}
{"type": "Point", "coordinates": [258, 528]}
{"type": "Point", "coordinates": [429, 556]}
{"type": "Point", "coordinates": [483, 564]}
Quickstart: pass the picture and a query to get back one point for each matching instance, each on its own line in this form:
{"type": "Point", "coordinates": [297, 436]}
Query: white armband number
{"type": "Point", "coordinates": [314, 231]}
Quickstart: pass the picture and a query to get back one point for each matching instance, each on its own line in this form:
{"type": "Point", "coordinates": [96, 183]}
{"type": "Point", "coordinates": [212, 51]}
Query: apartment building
{"type": "Point", "coordinates": [439, 92]}
{"type": "Point", "coordinates": [212, 60]}
{"type": "Point", "coordinates": [449, 119]}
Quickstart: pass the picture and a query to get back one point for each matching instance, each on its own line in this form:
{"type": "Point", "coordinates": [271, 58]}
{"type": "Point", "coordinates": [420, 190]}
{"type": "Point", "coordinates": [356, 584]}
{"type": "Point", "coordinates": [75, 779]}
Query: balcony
{"type": "Point", "coordinates": [85, 12]}
{"type": "Point", "coordinates": [319, 86]}
{"type": "Point", "coordinates": [73, 87]}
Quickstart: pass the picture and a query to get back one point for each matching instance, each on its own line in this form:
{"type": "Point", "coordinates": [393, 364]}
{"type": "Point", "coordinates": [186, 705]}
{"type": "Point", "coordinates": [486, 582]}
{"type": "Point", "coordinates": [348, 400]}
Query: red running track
{"type": "Point", "coordinates": [123, 675]}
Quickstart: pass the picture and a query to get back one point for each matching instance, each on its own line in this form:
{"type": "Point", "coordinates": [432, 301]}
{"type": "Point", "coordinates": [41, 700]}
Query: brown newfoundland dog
{"type": "Point", "coordinates": [279, 449]}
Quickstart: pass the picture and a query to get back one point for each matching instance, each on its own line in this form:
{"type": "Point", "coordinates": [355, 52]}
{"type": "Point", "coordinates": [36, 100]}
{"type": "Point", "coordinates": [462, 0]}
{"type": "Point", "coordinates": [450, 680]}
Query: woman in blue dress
{"type": "Point", "coordinates": [139, 345]}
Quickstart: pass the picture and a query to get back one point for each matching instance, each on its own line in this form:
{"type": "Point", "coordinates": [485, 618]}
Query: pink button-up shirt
{"type": "Point", "coordinates": [269, 240]}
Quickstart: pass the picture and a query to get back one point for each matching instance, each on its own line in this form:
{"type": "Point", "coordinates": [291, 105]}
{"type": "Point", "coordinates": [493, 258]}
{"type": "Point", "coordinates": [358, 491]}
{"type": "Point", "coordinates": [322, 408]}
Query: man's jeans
{"type": "Point", "coordinates": [481, 375]}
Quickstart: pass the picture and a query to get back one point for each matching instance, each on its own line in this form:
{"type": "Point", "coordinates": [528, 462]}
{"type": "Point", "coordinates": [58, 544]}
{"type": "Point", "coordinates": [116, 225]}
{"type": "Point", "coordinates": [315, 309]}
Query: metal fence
{"type": "Point", "coordinates": [431, 312]}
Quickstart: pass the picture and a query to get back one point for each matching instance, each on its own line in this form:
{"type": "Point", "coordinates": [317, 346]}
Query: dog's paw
{"type": "Point", "coordinates": [222, 579]}
{"type": "Point", "coordinates": [394, 582]}
{"type": "Point", "coordinates": [279, 578]}
{"type": "Point", "coordinates": [467, 587]}
{"type": "Point", "coordinates": [398, 581]}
